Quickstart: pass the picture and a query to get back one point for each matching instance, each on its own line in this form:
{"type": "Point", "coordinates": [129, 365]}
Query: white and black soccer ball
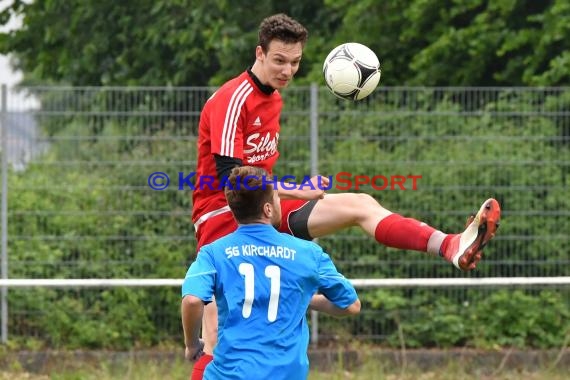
{"type": "Point", "coordinates": [352, 71]}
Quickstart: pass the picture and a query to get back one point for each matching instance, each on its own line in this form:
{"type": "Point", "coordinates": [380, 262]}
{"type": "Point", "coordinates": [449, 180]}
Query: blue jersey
{"type": "Point", "coordinates": [263, 282]}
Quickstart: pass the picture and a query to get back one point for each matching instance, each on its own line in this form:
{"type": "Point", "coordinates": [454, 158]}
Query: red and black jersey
{"type": "Point", "coordinates": [240, 120]}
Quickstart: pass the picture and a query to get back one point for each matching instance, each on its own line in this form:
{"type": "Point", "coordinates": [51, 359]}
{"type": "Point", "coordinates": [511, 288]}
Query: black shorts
{"type": "Point", "coordinates": [299, 220]}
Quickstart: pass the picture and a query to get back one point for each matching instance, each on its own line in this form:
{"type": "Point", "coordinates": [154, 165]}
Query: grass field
{"type": "Point", "coordinates": [177, 369]}
{"type": "Point", "coordinates": [156, 373]}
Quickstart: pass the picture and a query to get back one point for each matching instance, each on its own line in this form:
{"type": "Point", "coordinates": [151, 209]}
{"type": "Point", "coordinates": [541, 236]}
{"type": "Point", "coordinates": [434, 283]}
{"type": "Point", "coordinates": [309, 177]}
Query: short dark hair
{"type": "Point", "coordinates": [247, 191]}
{"type": "Point", "coordinates": [283, 28]}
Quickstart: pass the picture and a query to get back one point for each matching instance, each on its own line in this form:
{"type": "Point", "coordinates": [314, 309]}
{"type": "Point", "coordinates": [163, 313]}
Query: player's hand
{"type": "Point", "coordinates": [194, 351]}
{"type": "Point", "coordinates": [309, 190]}
{"type": "Point", "coordinates": [316, 189]}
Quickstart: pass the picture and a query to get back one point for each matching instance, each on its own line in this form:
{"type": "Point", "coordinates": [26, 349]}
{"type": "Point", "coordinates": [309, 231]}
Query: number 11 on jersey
{"type": "Point", "coordinates": [273, 272]}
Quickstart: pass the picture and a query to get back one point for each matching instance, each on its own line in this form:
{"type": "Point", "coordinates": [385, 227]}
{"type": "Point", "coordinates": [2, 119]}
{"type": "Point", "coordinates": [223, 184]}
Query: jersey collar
{"type": "Point", "coordinates": [266, 89]}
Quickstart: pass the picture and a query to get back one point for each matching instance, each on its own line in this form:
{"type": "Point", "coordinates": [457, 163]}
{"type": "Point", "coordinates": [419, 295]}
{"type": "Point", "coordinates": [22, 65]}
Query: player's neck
{"type": "Point", "coordinates": [265, 88]}
{"type": "Point", "coordinates": [256, 70]}
{"type": "Point", "coordinates": [262, 220]}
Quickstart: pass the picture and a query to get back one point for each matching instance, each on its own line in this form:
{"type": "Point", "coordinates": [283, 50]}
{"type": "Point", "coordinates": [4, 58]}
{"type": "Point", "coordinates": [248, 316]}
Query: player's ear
{"type": "Point", "coordinates": [267, 210]}
{"type": "Point", "coordinates": [259, 53]}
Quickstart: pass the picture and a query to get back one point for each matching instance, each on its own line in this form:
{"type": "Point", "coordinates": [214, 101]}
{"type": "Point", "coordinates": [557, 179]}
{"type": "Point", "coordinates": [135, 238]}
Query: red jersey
{"type": "Point", "coordinates": [240, 120]}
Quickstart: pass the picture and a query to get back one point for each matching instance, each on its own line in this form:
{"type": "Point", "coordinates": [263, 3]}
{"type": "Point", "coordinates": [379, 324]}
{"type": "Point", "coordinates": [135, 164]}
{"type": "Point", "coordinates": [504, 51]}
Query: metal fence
{"type": "Point", "coordinates": [76, 202]}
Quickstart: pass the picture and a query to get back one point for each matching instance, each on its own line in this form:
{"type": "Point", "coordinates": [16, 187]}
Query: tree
{"type": "Point", "coordinates": [459, 43]}
{"type": "Point", "coordinates": [198, 42]}
{"type": "Point", "coordinates": [115, 43]}
{"type": "Point", "coordinates": [178, 43]}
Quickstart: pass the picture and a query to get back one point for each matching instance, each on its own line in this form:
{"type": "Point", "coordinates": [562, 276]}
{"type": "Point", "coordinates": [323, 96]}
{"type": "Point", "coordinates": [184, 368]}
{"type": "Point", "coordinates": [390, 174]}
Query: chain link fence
{"type": "Point", "coordinates": [77, 201]}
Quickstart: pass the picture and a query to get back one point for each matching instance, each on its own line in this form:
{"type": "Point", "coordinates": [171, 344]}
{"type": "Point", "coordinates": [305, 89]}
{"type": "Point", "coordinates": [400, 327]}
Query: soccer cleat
{"type": "Point", "coordinates": [465, 249]}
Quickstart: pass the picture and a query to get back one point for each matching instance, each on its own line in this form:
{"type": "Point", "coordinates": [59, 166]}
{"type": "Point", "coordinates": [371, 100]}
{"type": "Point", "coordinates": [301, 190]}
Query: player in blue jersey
{"type": "Point", "coordinates": [263, 282]}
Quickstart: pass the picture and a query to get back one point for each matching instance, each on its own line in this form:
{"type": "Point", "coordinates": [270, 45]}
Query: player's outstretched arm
{"type": "Point", "coordinates": [321, 303]}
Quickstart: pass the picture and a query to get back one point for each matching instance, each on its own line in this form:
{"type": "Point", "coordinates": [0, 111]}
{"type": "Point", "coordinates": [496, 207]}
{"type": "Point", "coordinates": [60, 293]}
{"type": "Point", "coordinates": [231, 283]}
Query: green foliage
{"type": "Point", "coordinates": [118, 319]}
{"type": "Point", "coordinates": [146, 43]}
{"type": "Point", "coordinates": [513, 147]}
{"type": "Point", "coordinates": [100, 220]}
{"type": "Point", "coordinates": [456, 43]}
{"type": "Point", "coordinates": [518, 319]}
{"type": "Point", "coordinates": [485, 319]}
{"type": "Point", "coordinates": [95, 219]}
{"type": "Point", "coordinates": [192, 43]}
{"type": "Point", "coordinates": [465, 151]}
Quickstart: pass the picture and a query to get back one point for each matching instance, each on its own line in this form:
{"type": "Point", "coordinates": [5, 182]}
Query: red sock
{"type": "Point", "coordinates": [405, 233]}
{"type": "Point", "coordinates": [443, 248]}
{"type": "Point", "coordinates": [200, 366]}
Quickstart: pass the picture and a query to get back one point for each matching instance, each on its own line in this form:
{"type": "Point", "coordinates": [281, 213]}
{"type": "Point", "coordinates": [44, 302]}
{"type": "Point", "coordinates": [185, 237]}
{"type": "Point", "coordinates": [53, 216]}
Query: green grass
{"type": "Point", "coordinates": [133, 369]}
{"type": "Point", "coordinates": [377, 371]}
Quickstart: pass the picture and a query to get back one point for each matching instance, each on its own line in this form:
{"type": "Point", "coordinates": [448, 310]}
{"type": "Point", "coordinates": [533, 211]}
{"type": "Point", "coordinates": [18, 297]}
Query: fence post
{"type": "Point", "coordinates": [314, 144]}
{"type": "Point", "coordinates": [4, 213]}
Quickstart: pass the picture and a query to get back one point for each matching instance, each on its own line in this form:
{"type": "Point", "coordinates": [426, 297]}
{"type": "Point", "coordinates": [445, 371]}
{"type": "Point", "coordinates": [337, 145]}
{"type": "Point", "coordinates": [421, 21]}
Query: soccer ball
{"type": "Point", "coordinates": [352, 71]}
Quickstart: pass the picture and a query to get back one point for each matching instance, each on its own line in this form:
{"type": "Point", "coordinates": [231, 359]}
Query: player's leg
{"type": "Point", "coordinates": [338, 211]}
{"type": "Point", "coordinates": [312, 219]}
{"type": "Point", "coordinates": [209, 231]}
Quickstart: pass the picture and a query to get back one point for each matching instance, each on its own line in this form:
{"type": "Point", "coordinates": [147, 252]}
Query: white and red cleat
{"type": "Point", "coordinates": [466, 249]}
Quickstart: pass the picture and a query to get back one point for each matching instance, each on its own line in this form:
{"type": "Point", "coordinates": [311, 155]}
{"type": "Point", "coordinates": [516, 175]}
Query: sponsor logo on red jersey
{"type": "Point", "coordinates": [259, 147]}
